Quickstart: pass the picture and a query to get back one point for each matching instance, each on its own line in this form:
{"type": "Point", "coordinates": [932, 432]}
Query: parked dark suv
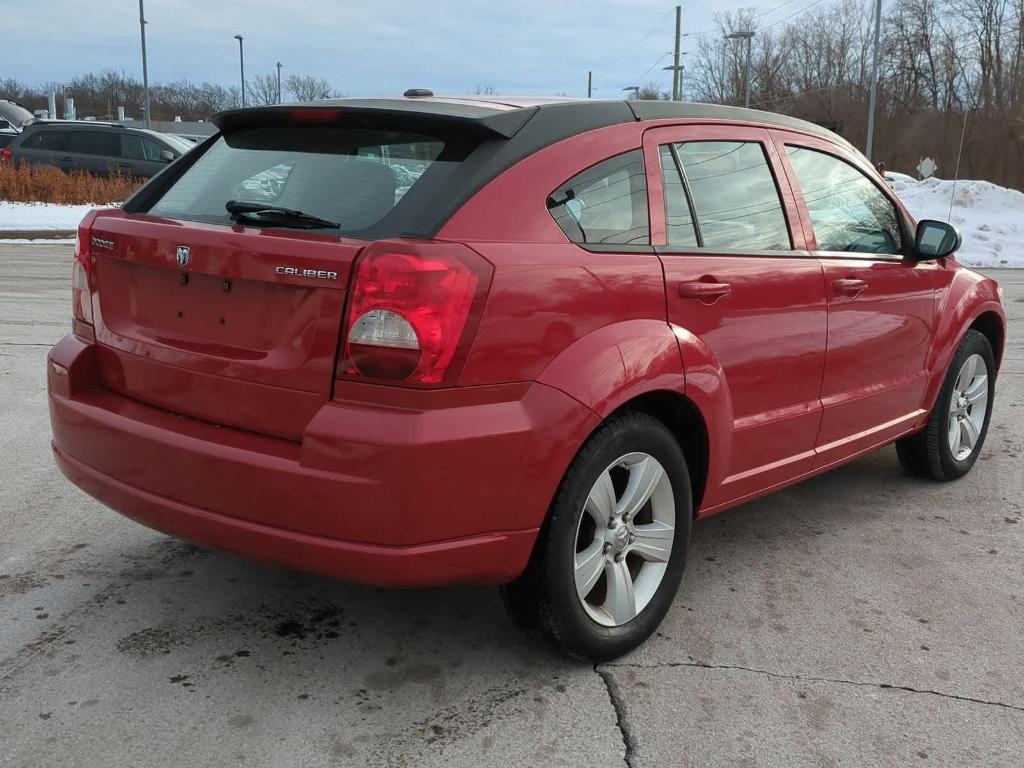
{"type": "Point", "coordinates": [99, 148]}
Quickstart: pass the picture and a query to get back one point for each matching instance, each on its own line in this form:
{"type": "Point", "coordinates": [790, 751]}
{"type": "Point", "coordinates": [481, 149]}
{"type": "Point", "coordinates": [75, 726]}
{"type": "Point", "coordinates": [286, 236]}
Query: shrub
{"type": "Point", "coordinates": [46, 184]}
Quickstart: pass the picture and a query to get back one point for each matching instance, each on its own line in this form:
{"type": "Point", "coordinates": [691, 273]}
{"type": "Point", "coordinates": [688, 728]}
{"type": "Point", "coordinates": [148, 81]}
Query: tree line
{"type": "Point", "coordinates": [946, 68]}
{"type": "Point", "coordinates": [100, 94]}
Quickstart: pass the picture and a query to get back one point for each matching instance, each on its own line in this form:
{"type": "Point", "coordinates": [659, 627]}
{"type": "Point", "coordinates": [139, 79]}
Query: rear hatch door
{"type": "Point", "coordinates": [235, 326]}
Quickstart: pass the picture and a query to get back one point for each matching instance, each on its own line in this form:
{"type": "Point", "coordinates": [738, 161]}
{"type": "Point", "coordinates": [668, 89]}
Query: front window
{"type": "Point", "coordinates": [849, 213]}
{"type": "Point", "coordinates": [135, 147]}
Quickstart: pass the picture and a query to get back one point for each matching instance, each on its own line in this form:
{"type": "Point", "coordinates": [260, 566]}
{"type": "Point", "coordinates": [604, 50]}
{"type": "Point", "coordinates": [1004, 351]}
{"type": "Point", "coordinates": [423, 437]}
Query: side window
{"type": "Point", "coordinates": [607, 203]}
{"type": "Point", "coordinates": [152, 149]}
{"type": "Point", "coordinates": [735, 198]}
{"type": "Point", "coordinates": [132, 147]}
{"type": "Point", "coordinates": [52, 140]}
{"type": "Point", "coordinates": [135, 147]}
{"type": "Point", "coordinates": [848, 211]}
{"type": "Point", "coordinates": [94, 143]}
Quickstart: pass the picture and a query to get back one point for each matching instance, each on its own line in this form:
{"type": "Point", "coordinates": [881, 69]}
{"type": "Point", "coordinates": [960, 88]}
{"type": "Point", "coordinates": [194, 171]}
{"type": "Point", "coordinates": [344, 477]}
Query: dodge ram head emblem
{"type": "Point", "coordinates": [182, 255]}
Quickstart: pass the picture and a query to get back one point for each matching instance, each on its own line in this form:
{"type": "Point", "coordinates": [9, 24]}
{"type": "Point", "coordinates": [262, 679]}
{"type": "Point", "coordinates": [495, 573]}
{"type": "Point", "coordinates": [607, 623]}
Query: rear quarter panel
{"type": "Point", "coordinates": [557, 313]}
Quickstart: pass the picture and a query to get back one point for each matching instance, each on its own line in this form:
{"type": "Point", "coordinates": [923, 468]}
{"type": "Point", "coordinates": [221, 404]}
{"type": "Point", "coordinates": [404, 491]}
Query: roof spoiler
{"type": "Point", "coordinates": [482, 122]}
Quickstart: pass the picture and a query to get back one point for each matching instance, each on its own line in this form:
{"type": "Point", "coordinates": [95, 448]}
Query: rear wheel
{"type": "Point", "coordinates": [948, 446]}
{"type": "Point", "coordinates": [610, 556]}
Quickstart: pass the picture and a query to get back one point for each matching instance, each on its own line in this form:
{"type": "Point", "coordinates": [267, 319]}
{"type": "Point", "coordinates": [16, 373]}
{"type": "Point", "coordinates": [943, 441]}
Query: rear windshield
{"type": "Point", "coordinates": [355, 177]}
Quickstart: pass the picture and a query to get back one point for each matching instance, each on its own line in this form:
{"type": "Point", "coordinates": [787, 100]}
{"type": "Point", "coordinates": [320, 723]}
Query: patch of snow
{"type": "Point", "coordinates": [990, 217]}
{"type": "Point", "coordinates": [27, 217]}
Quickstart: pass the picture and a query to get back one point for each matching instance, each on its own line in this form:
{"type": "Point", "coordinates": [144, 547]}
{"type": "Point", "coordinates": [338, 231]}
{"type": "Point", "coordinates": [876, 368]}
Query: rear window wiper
{"type": "Point", "coordinates": [241, 209]}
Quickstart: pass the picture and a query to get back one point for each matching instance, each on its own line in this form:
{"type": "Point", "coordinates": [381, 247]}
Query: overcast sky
{"type": "Point", "coordinates": [363, 47]}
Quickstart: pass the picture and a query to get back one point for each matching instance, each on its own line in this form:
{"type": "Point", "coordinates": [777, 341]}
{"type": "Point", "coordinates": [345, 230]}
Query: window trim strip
{"type": "Point", "coordinates": [686, 191]}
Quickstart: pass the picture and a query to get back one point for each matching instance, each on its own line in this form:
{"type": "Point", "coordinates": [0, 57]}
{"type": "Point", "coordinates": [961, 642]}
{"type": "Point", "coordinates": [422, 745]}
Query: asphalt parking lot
{"type": "Point", "coordinates": [862, 618]}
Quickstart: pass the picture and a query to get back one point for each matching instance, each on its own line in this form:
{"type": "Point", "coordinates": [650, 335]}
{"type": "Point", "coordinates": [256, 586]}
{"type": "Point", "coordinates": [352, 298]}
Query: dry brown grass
{"type": "Point", "coordinates": [44, 184]}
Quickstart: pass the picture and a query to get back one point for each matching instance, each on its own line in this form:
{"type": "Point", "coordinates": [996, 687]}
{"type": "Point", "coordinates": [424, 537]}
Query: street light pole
{"type": "Point", "coordinates": [145, 66]}
{"type": "Point", "coordinates": [279, 82]}
{"type": "Point", "coordinates": [748, 36]}
{"type": "Point", "coordinates": [873, 98]}
{"type": "Point", "coordinates": [635, 89]}
{"type": "Point", "coordinates": [241, 65]}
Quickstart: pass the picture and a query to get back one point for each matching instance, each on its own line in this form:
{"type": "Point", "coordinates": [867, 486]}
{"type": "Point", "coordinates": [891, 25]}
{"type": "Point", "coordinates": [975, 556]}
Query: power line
{"type": "Point", "coordinates": [655, 27]}
{"type": "Point", "coordinates": [660, 59]}
{"type": "Point", "coordinates": [790, 16]}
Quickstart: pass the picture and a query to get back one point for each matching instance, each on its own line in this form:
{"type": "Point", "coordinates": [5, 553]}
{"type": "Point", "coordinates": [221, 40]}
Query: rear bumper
{"type": "Point", "coordinates": [429, 488]}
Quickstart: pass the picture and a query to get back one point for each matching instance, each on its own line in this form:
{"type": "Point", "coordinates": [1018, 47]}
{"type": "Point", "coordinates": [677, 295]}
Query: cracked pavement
{"type": "Point", "coordinates": [859, 619]}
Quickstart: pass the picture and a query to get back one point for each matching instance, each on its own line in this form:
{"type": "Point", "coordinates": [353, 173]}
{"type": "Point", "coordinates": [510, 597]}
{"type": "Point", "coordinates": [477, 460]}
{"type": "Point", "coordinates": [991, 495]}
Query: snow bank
{"type": "Point", "coordinates": [32, 217]}
{"type": "Point", "coordinates": [990, 217]}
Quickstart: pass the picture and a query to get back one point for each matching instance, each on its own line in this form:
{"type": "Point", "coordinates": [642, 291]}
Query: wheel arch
{"type": "Point", "coordinates": [990, 324]}
{"type": "Point", "coordinates": [686, 423]}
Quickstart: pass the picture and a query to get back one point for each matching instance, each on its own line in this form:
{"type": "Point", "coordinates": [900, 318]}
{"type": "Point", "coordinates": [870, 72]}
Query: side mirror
{"type": "Point", "coordinates": [935, 239]}
{"type": "Point", "coordinates": [167, 156]}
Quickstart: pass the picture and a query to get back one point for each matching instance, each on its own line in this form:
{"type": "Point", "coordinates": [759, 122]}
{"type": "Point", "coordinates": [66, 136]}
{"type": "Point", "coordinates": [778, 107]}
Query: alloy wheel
{"type": "Point", "coordinates": [968, 407]}
{"type": "Point", "coordinates": [624, 539]}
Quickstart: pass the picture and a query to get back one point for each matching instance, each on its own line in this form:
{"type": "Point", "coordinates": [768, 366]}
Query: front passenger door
{"type": "Point", "coordinates": [880, 305]}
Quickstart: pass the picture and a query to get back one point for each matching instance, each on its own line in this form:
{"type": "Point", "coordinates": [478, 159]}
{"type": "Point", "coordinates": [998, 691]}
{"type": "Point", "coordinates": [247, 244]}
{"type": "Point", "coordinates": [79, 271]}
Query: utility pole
{"type": "Point", "coordinates": [677, 70]}
{"type": "Point", "coordinates": [677, 75]}
{"type": "Point", "coordinates": [590, 83]}
{"type": "Point", "coordinates": [241, 65]}
{"type": "Point", "coordinates": [873, 99]}
{"type": "Point", "coordinates": [748, 36]}
{"type": "Point", "coordinates": [279, 82]}
{"type": "Point", "coordinates": [145, 66]}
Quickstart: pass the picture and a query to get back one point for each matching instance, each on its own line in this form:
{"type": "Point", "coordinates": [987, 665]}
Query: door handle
{"type": "Point", "coordinates": [709, 293]}
{"type": "Point", "coordinates": [64, 158]}
{"type": "Point", "coordinates": [125, 165]}
{"type": "Point", "coordinates": [849, 286]}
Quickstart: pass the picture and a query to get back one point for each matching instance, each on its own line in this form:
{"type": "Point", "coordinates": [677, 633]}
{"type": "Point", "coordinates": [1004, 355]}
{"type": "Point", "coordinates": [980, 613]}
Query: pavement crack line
{"type": "Point", "coordinates": [811, 679]}
{"type": "Point", "coordinates": [628, 740]}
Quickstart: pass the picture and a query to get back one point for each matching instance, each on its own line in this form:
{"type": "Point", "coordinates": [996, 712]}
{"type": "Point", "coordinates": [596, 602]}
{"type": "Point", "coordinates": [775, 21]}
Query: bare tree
{"type": "Point", "coordinates": [308, 87]}
{"type": "Point", "coordinates": [652, 92]}
{"type": "Point", "coordinates": [262, 89]}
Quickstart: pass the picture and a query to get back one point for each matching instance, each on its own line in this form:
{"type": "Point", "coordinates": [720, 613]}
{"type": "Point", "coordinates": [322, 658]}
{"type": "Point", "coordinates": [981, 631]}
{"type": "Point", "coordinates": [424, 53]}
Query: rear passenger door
{"type": "Point", "coordinates": [44, 146]}
{"type": "Point", "coordinates": [881, 305]}
{"type": "Point", "coordinates": [739, 279]}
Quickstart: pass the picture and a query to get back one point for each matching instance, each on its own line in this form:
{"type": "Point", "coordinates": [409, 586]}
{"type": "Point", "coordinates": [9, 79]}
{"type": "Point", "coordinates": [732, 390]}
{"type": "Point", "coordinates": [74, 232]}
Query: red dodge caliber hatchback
{"type": "Point", "coordinates": [424, 341]}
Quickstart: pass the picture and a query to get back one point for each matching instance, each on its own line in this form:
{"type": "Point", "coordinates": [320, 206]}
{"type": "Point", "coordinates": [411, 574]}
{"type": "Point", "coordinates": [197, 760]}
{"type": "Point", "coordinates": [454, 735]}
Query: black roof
{"type": "Point", "coordinates": [497, 117]}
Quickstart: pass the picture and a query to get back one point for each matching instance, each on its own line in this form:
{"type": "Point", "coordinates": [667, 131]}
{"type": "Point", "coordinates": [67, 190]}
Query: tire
{"type": "Point", "coordinates": [545, 600]}
{"type": "Point", "coordinates": [930, 453]}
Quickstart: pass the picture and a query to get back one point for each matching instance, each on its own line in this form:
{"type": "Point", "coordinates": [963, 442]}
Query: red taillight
{"type": "Point", "coordinates": [5, 154]}
{"type": "Point", "coordinates": [81, 282]}
{"type": "Point", "coordinates": [412, 308]}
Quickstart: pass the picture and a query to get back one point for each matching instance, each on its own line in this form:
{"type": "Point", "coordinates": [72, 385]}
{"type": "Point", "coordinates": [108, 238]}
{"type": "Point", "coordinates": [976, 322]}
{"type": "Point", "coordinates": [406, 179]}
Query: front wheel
{"type": "Point", "coordinates": [611, 553]}
{"type": "Point", "coordinates": [948, 446]}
